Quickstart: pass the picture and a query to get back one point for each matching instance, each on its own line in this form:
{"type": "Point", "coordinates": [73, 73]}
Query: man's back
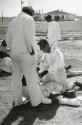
{"type": "Point", "coordinates": [17, 33]}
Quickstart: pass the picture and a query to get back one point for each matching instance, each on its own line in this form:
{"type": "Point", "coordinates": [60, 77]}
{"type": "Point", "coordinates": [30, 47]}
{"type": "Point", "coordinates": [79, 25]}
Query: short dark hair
{"type": "Point", "coordinates": [43, 42]}
{"type": "Point", "coordinates": [48, 18]}
{"type": "Point", "coordinates": [28, 10]}
{"type": "Point", "coordinates": [4, 44]}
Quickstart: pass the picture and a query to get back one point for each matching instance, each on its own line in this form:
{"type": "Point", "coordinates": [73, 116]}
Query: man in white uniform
{"type": "Point", "coordinates": [53, 33]}
{"type": "Point", "coordinates": [21, 40]}
{"type": "Point", "coordinates": [52, 63]}
{"type": "Point", "coordinates": [53, 76]}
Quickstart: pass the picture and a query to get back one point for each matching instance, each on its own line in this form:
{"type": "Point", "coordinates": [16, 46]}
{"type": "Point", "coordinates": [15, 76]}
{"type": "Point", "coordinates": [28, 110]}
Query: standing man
{"type": "Point", "coordinates": [21, 40]}
{"type": "Point", "coordinates": [54, 33]}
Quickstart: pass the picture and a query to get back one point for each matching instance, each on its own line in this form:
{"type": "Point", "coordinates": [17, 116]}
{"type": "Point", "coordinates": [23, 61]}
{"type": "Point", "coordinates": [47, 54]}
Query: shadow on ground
{"type": "Point", "coordinates": [27, 115]}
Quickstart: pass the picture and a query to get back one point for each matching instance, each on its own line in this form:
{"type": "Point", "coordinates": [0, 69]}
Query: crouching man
{"type": "Point", "coordinates": [53, 75]}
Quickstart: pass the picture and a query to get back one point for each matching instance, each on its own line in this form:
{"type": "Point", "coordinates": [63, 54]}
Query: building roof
{"type": "Point", "coordinates": [59, 12]}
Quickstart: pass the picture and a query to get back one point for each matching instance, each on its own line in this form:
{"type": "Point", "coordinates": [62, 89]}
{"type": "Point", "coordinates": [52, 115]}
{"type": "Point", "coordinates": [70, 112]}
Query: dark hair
{"type": "Point", "coordinates": [4, 44]}
{"type": "Point", "coordinates": [28, 10]}
{"type": "Point", "coordinates": [43, 42]}
{"type": "Point", "coordinates": [44, 45]}
{"type": "Point", "coordinates": [48, 18]}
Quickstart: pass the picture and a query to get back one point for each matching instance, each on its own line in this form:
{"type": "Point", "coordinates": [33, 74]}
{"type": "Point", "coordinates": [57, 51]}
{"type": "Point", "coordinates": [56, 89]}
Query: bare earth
{"type": "Point", "coordinates": [53, 114]}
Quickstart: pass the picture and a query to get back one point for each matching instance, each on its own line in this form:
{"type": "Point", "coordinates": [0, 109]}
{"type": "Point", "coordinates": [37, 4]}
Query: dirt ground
{"type": "Point", "coordinates": [53, 114]}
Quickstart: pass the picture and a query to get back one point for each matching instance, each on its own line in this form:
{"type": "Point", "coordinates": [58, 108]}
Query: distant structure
{"type": "Point", "coordinates": [63, 16]}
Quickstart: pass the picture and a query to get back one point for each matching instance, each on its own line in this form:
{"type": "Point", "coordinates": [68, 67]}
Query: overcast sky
{"type": "Point", "coordinates": [13, 7]}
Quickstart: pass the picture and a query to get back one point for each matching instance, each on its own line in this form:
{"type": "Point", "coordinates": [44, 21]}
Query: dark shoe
{"type": "Point", "coordinates": [67, 68]}
{"type": "Point", "coordinates": [23, 102]}
{"type": "Point", "coordinates": [24, 81]}
{"type": "Point", "coordinates": [78, 84]}
{"type": "Point", "coordinates": [54, 98]}
{"type": "Point", "coordinates": [69, 94]}
{"type": "Point", "coordinates": [5, 74]}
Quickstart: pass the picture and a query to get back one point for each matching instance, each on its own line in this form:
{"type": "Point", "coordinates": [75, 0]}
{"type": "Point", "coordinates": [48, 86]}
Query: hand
{"type": "Point", "coordinates": [64, 88]}
{"type": "Point", "coordinates": [43, 73]}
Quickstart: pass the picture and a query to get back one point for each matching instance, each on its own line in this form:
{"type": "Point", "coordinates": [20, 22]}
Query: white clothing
{"type": "Point", "coordinates": [52, 61]}
{"type": "Point", "coordinates": [20, 39]}
{"type": "Point", "coordinates": [20, 36]}
{"type": "Point", "coordinates": [55, 80]}
{"type": "Point", "coordinates": [39, 54]}
{"type": "Point", "coordinates": [54, 33]}
{"type": "Point", "coordinates": [6, 64]}
{"type": "Point", "coordinates": [25, 65]}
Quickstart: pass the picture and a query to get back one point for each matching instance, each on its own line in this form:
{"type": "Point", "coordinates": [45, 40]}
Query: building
{"type": "Point", "coordinates": [63, 16]}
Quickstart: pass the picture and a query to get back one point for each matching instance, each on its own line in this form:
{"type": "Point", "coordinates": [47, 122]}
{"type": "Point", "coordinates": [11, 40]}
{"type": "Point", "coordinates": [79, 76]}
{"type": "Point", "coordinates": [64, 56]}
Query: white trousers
{"type": "Point", "coordinates": [25, 64]}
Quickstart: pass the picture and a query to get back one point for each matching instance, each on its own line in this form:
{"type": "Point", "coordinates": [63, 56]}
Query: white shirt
{"type": "Point", "coordinates": [54, 33]}
{"type": "Point", "coordinates": [39, 54]}
{"type": "Point", "coordinates": [52, 61]}
{"type": "Point", "coordinates": [21, 34]}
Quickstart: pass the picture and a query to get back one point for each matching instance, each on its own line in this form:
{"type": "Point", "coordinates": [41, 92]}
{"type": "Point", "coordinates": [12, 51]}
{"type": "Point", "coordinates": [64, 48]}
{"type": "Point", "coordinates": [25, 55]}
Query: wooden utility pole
{"type": "Point", "coordinates": [2, 16]}
{"type": "Point", "coordinates": [22, 2]}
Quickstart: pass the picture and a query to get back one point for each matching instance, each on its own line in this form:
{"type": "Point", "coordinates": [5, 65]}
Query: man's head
{"type": "Point", "coordinates": [44, 45]}
{"type": "Point", "coordinates": [28, 10]}
{"type": "Point", "coordinates": [4, 44]}
{"type": "Point", "coordinates": [48, 18]}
